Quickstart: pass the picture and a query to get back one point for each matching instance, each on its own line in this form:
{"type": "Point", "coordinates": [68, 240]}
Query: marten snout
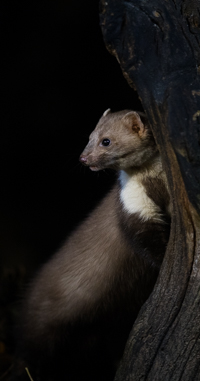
{"type": "Point", "coordinates": [90, 162]}
{"type": "Point", "coordinates": [83, 160]}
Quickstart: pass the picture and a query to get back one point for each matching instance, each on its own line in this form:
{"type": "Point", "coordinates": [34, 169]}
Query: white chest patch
{"type": "Point", "coordinates": [135, 200]}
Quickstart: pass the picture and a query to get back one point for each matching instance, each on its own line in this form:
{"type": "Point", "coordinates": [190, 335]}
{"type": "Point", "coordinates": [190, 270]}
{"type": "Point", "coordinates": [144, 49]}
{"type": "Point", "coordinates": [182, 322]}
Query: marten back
{"type": "Point", "coordinates": [81, 306]}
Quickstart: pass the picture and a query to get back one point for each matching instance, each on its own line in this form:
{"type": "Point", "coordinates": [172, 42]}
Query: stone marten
{"type": "Point", "coordinates": [81, 306]}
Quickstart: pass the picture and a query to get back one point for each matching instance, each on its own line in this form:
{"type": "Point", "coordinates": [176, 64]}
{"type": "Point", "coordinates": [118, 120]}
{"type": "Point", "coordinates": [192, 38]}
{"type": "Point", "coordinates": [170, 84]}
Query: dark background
{"type": "Point", "coordinates": [57, 80]}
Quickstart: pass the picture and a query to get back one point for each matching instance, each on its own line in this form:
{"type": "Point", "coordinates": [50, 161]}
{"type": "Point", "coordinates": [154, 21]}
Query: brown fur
{"type": "Point", "coordinates": [82, 304]}
{"type": "Point", "coordinates": [132, 142]}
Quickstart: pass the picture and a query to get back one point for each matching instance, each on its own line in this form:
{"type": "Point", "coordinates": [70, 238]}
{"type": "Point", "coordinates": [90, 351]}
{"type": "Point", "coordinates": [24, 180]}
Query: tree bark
{"type": "Point", "coordinates": [157, 44]}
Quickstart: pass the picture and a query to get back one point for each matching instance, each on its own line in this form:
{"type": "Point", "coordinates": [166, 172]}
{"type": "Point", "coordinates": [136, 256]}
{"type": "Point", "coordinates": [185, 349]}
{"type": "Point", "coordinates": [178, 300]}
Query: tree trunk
{"type": "Point", "coordinates": [157, 44]}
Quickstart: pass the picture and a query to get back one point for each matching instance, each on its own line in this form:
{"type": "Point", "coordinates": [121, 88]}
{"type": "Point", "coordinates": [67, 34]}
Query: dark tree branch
{"type": "Point", "coordinates": [158, 47]}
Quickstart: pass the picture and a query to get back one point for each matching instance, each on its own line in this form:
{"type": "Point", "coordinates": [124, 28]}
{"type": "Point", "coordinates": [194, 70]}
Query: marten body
{"type": "Point", "coordinates": [82, 304]}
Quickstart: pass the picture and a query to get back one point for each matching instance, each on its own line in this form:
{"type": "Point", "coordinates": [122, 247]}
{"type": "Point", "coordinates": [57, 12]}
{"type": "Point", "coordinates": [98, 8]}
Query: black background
{"type": "Point", "coordinates": [57, 80]}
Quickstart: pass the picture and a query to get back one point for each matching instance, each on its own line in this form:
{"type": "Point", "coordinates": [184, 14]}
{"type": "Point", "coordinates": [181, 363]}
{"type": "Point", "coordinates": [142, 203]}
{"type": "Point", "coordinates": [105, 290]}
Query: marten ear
{"type": "Point", "coordinates": [107, 112]}
{"type": "Point", "coordinates": [135, 122]}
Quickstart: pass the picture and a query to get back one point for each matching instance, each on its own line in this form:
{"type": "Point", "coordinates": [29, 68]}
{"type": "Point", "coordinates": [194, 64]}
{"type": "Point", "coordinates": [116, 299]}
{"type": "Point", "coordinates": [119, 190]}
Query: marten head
{"type": "Point", "coordinates": [120, 140]}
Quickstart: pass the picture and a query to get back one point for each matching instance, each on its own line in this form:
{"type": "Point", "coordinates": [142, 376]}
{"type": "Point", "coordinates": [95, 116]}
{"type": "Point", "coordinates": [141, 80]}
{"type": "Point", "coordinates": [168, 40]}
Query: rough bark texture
{"type": "Point", "coordinates": [157, 44]}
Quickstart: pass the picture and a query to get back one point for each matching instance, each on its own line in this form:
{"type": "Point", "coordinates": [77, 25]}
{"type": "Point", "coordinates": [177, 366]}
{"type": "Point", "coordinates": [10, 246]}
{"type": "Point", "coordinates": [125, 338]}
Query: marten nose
{"type": "Point", "coordinates": [83, 159]}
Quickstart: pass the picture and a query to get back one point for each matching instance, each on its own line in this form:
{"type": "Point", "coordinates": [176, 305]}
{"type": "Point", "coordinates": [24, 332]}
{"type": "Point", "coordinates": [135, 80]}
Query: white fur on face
{"type": "Point", "coordinates": [134, 198]}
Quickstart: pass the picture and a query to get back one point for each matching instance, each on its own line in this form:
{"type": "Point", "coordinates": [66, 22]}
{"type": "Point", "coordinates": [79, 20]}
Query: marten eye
{"type": "Point", "coordinates": [105, 142]}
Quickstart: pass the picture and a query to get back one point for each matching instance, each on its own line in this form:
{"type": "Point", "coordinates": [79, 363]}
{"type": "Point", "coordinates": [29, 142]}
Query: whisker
{"type": "Point", "coordinates": [72, 169]}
